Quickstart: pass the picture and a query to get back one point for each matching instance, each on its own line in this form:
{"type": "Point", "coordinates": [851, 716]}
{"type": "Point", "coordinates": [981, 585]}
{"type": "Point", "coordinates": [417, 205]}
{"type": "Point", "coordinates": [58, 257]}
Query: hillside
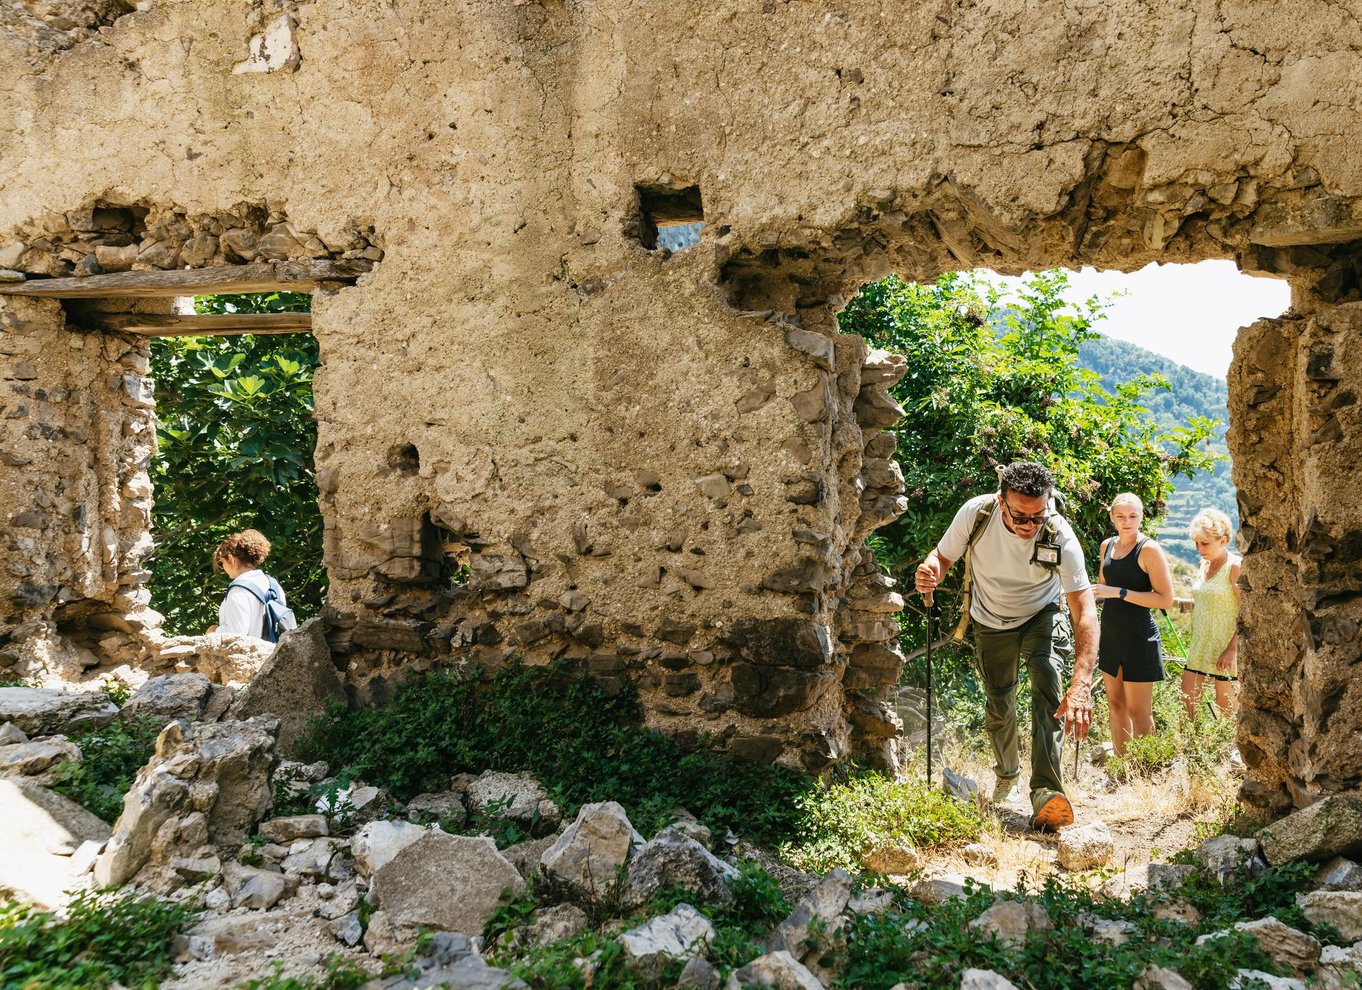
{"type": "Point", "coordinates": [1191, 393]}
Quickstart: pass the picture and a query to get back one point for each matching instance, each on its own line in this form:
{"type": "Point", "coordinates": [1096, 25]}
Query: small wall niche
{"type": "Point", "coordinates": [669, 218]}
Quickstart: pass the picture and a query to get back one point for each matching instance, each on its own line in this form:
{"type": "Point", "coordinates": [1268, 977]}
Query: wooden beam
{"type": "Point", "coordinates": [265, 276]}
{"type": "Point", "coordinates": [176, 325]}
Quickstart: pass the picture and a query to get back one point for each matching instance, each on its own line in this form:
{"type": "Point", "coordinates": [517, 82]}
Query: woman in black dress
{"type": "Point", "coordinates": [1133, 579]}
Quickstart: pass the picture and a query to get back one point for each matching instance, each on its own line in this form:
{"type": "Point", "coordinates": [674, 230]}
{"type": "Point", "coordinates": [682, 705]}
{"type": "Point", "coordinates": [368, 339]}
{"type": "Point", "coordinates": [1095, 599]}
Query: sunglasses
{"type": "Point", "coordinates": [1020, 520]}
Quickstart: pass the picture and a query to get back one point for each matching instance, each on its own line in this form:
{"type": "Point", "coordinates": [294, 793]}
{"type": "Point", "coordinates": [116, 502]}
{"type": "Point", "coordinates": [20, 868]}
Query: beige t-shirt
{"type": "Point", "coordinates": [1008, 589]}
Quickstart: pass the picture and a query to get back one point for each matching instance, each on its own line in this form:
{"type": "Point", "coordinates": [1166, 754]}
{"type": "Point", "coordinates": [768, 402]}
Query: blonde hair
{"type": "Point", "coordinates": [249, 546]}
{"type": "Point", "coordinates": [1126, 497]}
{"type": "Point", "coordinates": [1210, 524]}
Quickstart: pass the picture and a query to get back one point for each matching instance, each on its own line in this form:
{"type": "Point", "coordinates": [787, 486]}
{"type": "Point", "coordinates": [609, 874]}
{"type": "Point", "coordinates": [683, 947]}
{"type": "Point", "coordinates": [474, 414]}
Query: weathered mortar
{"type": "Point", "coordinates": [520, 376]}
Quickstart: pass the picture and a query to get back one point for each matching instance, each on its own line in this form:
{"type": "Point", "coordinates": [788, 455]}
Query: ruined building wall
{"type": "Point", "coordinates": [663, 466]}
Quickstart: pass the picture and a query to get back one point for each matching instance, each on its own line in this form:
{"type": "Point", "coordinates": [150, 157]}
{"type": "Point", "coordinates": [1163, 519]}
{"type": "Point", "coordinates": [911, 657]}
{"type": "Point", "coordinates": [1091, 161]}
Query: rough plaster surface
{"type": "Point", "coordinates": [605, 427]}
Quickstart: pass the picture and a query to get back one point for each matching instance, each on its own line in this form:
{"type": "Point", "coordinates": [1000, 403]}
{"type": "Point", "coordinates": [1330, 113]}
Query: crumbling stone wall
{"type": "Point", "coordinates": [658, 466]}
{"type": "Point", "coordinates": [77, 433]}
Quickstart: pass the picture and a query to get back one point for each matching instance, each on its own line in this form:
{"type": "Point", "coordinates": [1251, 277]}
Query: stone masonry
{"type": "Point", "coordinates": [660, 466]}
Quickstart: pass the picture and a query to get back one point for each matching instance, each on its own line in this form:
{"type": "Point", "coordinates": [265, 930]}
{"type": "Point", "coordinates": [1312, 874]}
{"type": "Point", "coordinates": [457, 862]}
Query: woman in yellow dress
{"type": "Point", "coordinates": [1214, 653]}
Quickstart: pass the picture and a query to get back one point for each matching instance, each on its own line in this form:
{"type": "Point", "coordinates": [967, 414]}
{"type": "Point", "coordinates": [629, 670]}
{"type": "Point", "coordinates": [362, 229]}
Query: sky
{"type": "Point", "coordinates": [1189, 313]}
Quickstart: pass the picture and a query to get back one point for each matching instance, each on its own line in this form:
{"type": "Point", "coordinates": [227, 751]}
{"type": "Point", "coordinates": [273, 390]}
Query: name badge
{"type": "Point", "coordinates": [1046, 555]}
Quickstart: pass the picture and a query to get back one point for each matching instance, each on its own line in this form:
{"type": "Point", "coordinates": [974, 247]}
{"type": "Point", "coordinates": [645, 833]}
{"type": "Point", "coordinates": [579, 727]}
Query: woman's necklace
{"type": "Point", "coordinates": [1118, 552]}
{"type": "Point", "coordinates": [1213, 566]}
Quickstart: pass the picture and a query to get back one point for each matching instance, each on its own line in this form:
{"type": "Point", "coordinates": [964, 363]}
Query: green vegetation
{"type": "Point", "coordinates": [931, 946]}
{"type": "Point", "coordinates": [580, 743]}
{"type": "Point", "coordinates": [870, 810]}
{"type": "Point", "coordinates": [111, 757]}
{"type": "Point", "coordinates": [338, 973]}
{"type": "Point", "coordinates": [236, 436]}
{"type": "Point", "coordinates": [995, 378]}
{"type": "Point", "coordinates": [1190, 394]}
{"type": "Point", "coordinates": [106, 939]}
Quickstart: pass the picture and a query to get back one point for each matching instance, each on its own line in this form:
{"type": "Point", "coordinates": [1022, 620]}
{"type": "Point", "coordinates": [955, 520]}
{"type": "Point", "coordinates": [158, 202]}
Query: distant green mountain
{"type": "Point", "coordinates": [1191, 393]}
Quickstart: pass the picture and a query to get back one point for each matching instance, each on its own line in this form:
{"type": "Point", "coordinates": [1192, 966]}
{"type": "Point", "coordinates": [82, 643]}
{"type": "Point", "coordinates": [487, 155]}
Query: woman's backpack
{"type": "Point", "coordinates": [279, 618]}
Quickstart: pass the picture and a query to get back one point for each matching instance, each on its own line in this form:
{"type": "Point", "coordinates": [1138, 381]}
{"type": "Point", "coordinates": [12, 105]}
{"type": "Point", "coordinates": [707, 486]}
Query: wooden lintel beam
{"type": "Point", "coordinates": [176, 325]}
{"type": "Point", "coordinates": [265, 276]}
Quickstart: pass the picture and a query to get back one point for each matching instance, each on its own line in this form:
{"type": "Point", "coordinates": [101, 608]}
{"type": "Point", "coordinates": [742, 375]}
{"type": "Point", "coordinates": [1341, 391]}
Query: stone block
{"type": "Point", "coordinates": [672, 859]}
{"type": "Point", "coordinates": [1086, 846]}
{"type": "Point", "coordinates": [1011, 921]}
{"type": "Point", "coordinates": [1340, 908]}
{"type": "Point", "coordinates": [592, 848]}
{"type": "Point", "coordinates": [775, 970]}
{"type": "Point", "coordinates": [414, 887]}
{"type": "Point", "coordinates": [299, 682]}
{"type": "Point", "coordinates": [681, 933]}
{"type": "Point", "coordinates": [170, 696]}
{"type": "Point", "coordinates": [1329, 827]}
{"type": "Point", "coordinates": [48, 712]}
{"type": "Point", "coordinates": [39, 833]}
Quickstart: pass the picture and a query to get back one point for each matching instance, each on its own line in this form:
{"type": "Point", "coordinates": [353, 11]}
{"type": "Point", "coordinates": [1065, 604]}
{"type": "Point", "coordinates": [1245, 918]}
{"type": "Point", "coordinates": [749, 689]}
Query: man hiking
{"type": "Point", "coordinates": [1019, 557]}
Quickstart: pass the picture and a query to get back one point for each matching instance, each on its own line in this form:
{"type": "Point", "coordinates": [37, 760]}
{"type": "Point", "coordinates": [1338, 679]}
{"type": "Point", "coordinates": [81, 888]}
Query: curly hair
{"type": "Point", "coordinates": [1026, 478]}
{"type": "Point", "coordinates": [249, 546]}
{"type": "Point", "coordinates": [1210, 524]}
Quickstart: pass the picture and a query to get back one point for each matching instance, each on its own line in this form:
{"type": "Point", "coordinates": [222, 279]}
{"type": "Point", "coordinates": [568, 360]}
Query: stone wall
{"type": "Point", "coordinates": [77, 433]}
{"type": "Point", "coordinates": [662, 466]}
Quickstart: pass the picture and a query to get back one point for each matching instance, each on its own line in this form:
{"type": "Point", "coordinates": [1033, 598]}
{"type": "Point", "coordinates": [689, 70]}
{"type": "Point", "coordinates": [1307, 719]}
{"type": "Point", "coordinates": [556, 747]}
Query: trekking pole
{"type": "Point", "coordinates": [928, 599]}
{"type": "Point", "coordinates": [1182, 652]}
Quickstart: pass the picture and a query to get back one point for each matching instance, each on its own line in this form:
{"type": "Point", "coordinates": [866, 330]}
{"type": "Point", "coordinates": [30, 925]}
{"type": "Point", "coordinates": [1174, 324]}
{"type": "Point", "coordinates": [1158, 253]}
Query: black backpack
{"type": "Point", "coordinates": [279, 618]}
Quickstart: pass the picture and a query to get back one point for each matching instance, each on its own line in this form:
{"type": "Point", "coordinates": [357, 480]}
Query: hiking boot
{"type": "Point", "coordinates": [1053, 811]}
{"type": "Point", "coordinates": [1003, 789]}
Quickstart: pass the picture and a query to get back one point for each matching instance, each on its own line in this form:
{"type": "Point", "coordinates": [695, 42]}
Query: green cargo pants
{"type": "Point", "coordinates": [1045, 643]}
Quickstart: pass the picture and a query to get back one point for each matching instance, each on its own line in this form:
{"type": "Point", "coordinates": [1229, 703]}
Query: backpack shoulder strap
{"type": "Point", "coordinates": [980, 522]}
{"type": "Point", "coordinates": [239, 583]}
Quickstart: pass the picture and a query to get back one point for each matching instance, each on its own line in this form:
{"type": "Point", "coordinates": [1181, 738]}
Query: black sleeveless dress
{"type": "Point", "coordinates": [1130, 638]}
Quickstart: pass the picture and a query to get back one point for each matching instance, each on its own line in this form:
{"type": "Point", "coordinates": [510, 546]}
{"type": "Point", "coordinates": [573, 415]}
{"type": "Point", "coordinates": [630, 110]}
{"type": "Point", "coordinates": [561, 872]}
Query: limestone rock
{"type": "Point", "coordinates": [553, 923]}
{"type": "Point", "coordinates": [253, 888]}
{"type": "Point", "coordinates": [776, 970]}
{"type": "Point", "coordinates": [1226, 856]}
{"type": "Point", "coordinates": [680, 933]}
{"type": "Point", "coordinates": [1010, 921]}
{"type": "Point", "coordinates": [516, 796]}
{"type": "Point", "coordinates": [1107, 930]}
{"type": "Point", "coordinates": [1339, 874]}
{"type": "Point", "coordinates": [1287, 947]}
{"type": "Point", "coordinates": [1340, 967]}
{"type": "Point", "coordinates": [1151, 876]}
{"type": "Point", "coordinates": [321, 858]}
{"type": "Point", "coordinates": [11, 734]}
{"type": "Point", "coordinates": [235, 934]}
{"type": "Point", "coordinates": [592, 848]}
{"type": "Point", "coordinates": [1084, 847]}
{"type": "Point", "coordinates": [871, 900]}
{"type": "Point", "coordinates": [445, 807]}
{"type": "Point", "coordinates": [938, 890]}
{"type": "Point", "coordinates": [820, 909]}
{"type": "Point", "coordinates": [1329, 827]}
{"type": "Point", "coordinates": [978, 854]}
{"type": "Point", "coordinates": [699, 974]}
{"type": "Point", "coordinates": [47, 712]}
{"type": "Point", "coordinates": [170, 696]}
{"type": "Point", "coordinates": [1161, 978]}
{"type": "Point", "coordinates": [1257, 978]}
{"type": "Point", "coordinates": [297, 683]}
{"type": "Point", "coordinates": [892, 859]}
{"type": "Point", "coordinates": [414, 887]}
{"type": "Point", "coordinates": [39, 832]}
{"type": "Point", "coordinates": [33, 758]}
{"type": "Point", "coordinates": [217, 771]}
{"type": "Point", "coordinates": [294, 827]}
{"type": "Point", "coordinates": [1340, 908]}
{"type": "Point", "coordinates": [525, 856]}
{"type": "Point", "coordinates": [671, 859]}
{"type": "Point", "coordinates": [374, 845]}
{"type": "Point", "coordinates": [984, 979]}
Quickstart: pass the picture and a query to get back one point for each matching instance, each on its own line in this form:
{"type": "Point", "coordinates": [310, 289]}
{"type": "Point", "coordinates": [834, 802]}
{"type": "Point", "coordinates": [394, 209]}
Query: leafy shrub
{"type": "Point", "coordinates": [931, 946]}
{"type": "Point", "coordinates": [111, 758]}
{"type": "Point", "coordinates": [863, 811]}
{"type": "Point", "coordinates": [338, 973]}
{"type": "Point", "coordinates": [581, 744]}
{"type": "Point", "coordinates": [235, 436]}
{"type": "Point", "coordinates": [1201, 744]}
{"type": "Point", "coordinates": [107, 938]}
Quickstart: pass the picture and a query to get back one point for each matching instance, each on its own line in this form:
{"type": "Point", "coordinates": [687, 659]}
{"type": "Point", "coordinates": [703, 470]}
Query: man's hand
{"type": "Point", "coordinates": [1075, 709]}
{"type": "Point", "coordinates": [928, 574]}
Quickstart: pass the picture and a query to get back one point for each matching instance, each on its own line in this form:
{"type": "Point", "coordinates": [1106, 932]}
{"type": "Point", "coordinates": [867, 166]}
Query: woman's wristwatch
{"type": "Point", "coordinates": [1124, 592]}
